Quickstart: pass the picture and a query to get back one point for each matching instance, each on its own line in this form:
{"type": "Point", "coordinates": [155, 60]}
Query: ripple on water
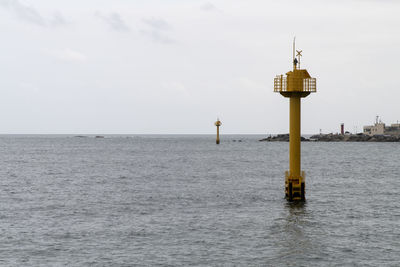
{"type": "Point", "coordinates": [167, 200]}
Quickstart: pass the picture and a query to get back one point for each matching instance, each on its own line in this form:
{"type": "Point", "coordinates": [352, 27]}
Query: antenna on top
{"type": "Point", "coordinates": [294, 47]}
{"type": "Point", "coordinates": [294, 55]}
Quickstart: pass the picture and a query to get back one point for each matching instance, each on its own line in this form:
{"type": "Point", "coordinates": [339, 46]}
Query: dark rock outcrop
{"type": "Point", "coordinates": [360, 137]}
{"type": "Point", "coordinates": [281, 138]}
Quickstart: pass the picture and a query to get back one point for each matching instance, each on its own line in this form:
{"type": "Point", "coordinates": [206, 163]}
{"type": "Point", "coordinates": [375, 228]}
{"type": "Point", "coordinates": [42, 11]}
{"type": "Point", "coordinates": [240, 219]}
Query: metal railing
{"type": "Point", "coordinates": [310, 85]}
{"type": "Point", "coordinates": [280, 84]}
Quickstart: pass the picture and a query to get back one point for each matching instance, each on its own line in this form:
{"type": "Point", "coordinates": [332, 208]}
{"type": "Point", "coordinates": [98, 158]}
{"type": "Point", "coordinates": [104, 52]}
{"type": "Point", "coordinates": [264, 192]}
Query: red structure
{"type": "Point", "coordinates": [342, 128]}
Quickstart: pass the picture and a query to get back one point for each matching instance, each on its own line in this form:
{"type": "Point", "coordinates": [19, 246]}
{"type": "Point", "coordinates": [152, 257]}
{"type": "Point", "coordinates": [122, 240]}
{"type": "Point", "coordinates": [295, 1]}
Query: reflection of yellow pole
{"type": "Point", "coordinates": [294, 137]}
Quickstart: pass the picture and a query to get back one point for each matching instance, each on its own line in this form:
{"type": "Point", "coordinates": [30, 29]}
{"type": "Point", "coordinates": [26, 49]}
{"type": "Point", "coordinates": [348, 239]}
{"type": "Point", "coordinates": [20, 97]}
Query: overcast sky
{"type": "Point", "coordinates": [173, 66]}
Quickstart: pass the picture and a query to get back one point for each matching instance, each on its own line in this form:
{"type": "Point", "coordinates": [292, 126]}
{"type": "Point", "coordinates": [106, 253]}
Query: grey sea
{"type": "Point", "coordinates": [184, 201]}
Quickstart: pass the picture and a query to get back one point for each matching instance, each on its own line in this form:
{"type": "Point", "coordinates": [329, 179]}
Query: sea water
{"type": "Point", "coordinates": [185, 201]}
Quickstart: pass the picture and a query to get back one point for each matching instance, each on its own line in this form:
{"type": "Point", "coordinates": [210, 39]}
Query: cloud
{"type": "Point", "coordinates": [58, 19]}
{"type": "Point", "coordinates": [115, 21]}
{"type": "Point", "coordinates": [157, 36]}
{"type": "Point", "coordinates": [208, 7]}
{"type": "Point", "coordinates": [157, 23]}
{"type": "Point", "coordinates": [156, 28]}
{"type": "Point", "coordinates": [29, 14]}
{"type": "Point", "coordinates": [24, 12]}
{"type": "Point", "coordinates": [69, 55]}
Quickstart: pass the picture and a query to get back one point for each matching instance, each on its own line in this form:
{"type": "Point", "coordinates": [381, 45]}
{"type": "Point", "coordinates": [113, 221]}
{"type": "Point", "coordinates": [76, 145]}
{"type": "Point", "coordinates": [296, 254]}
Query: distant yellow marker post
{"type": "Point", "coordinates": [297, 84]}
{"type": "Point", "coordinates": [218, 124]}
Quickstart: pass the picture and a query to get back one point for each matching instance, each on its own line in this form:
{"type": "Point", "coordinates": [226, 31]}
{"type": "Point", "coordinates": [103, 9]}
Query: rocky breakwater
{"type": "Point", "coordinates": [280, 138]}
{"type": "Point", "coordinates": [337, 138]}
{"type": "Point", "coordinates": [354, 138]}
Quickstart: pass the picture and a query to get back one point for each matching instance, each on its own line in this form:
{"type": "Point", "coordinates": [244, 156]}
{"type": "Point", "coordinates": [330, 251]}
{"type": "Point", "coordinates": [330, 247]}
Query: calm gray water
{"type": "Point", "coordinates": [182, 200]}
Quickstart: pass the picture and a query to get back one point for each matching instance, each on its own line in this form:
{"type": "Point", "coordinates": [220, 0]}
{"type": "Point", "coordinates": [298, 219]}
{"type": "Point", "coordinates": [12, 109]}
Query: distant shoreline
{"type": "Point", "coordinates": [336, 138]}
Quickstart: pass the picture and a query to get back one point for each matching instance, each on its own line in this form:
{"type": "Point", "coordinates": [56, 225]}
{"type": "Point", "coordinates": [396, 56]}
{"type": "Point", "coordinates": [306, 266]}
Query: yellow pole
{"type": "Point", "coordinates": [218, 123]}
{"type": "Point", "coordinates": [217, 135]}
{"type": "Point", "coordinates": [294, 137]}
{"type": "Point", "coordinates": [298, 84]}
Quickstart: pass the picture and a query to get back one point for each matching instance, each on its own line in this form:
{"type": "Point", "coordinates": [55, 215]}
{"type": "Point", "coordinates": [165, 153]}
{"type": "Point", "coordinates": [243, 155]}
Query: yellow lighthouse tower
{"type": "Point", "coordinates": [297, 84]}
{"type": "Point", "coordinates": [218, 123]}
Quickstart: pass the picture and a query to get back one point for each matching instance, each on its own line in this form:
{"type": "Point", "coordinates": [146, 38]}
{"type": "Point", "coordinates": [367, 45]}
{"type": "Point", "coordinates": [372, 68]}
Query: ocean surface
{"type": "Point", "coordinates": [184, 201]}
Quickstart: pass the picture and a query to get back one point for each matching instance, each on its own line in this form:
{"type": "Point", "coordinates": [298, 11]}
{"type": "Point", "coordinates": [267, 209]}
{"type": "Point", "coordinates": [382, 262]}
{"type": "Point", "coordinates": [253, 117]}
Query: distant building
{"type": "Point", "coordinates": [379, 128]}
{"type": "Point", "coordinates": [393, 129]}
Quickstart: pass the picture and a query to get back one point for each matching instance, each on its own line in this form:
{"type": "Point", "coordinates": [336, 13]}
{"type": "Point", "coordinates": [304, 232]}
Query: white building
{"type": "Point", "coordinates": [379, 128]}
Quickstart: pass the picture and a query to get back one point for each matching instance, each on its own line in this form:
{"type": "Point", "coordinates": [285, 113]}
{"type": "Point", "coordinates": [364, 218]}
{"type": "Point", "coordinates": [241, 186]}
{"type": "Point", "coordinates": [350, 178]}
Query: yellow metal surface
{"type": "Point", "coordinates": [294, 137]}
{"type": "Point", "coordinates": [297, 183]}
{"type": "Point", "coordinates": [297, 84]}
{"type": "Point", "coordinates": [295, 81]}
